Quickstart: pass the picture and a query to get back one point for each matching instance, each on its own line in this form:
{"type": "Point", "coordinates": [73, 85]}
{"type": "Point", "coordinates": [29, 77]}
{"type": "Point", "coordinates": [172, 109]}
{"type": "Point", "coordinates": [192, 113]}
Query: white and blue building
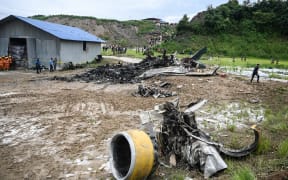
{"type": "Point", "coordinates": [27, 39]}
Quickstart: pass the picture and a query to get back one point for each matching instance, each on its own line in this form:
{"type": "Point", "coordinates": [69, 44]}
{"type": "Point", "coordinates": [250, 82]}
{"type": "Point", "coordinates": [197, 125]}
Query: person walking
{"type": "Point", "coordinates": [38, 68]}
{"type": "Point", "coordinates": [51, 63]}
{"type": "Point", "coordinates": [255, 73]}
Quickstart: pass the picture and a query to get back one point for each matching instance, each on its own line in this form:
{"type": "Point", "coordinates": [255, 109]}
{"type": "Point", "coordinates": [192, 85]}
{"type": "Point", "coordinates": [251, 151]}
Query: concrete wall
{"type": "Point", "coordinates": [39, 43]}
{"type": "Point", "coordinates": [72, 51]}
{"type": "Point", "coordinates": [44, 46]}
{"type": "Point", "coordinates": [3, 45]}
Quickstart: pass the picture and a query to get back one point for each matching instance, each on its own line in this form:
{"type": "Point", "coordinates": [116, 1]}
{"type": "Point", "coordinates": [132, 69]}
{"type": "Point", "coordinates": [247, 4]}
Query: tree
{"type": "Point", "coordinates": [184, 25]}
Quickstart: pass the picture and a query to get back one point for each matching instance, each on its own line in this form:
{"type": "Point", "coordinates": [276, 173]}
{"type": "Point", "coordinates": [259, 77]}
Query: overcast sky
{"type": "Point", "coordinates": [168, 10]}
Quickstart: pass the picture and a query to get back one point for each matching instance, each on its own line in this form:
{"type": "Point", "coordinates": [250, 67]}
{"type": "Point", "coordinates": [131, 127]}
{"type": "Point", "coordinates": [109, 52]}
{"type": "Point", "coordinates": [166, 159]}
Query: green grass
{"type": "Point", "coordinates": [228, 45]}
{"type": "Point", "coordinates": [234, 142]}
{"type": "Point", "coordinates": [264, 145]}
{"type": "Point", "coordinates": [130, 53]}
{"type": "Point", "coordinates": [244, 173]}
{"type": "Point", "coordinates": [176, 177]}
{"type": "Point", "coordinates": [283, 149]}
{"type": "Point", "coordinates": [231, 127]}
{"type": "Point", "coordinates": [221, 61]}
{"type": "Point", "coordinates": [250, 62]}
{"type": "Point", "coordinates": [243, 114]}
{"type": "Point", "coordinates": [277, 121]}
{"type": "Point", "coordinates": [273, 75]}
{"type": "Point", "coordinates": [231, 165]}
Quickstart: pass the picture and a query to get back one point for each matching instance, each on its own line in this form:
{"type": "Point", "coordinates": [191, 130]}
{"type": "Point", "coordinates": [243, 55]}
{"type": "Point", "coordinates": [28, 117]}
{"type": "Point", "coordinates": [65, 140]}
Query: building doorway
{"type": "Point", "coordinates": [18, 50]}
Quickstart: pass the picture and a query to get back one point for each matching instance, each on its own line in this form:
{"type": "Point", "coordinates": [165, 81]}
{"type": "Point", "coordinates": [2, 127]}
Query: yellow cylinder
{"type": "Point", "coordinates": [131, 155]}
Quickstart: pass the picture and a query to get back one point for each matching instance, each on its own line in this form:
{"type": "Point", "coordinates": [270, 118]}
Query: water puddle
{"type": "Point", "coordinates": [267, 74]}
{"type": "Point", "coordinates": [237, 114]}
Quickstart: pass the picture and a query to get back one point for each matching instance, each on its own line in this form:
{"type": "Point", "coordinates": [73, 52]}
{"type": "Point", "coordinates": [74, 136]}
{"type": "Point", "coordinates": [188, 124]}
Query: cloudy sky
{"type": "Point", "coordinates": [168, 10]}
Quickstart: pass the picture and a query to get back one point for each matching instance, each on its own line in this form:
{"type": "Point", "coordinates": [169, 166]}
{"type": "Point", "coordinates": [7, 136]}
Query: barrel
{"type": "Point", "coordinates": [131, 155]}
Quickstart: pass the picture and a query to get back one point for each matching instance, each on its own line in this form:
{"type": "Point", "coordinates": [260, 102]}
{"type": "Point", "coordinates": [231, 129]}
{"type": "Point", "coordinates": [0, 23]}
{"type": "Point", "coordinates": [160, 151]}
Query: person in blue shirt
{"type": "Point", "coordinates": [38, 66]}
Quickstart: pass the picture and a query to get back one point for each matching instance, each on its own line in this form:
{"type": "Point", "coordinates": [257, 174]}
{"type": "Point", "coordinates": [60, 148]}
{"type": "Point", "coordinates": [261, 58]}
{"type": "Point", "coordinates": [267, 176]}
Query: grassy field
{"type": "Point", "coordinates": [132, 53]}
{"type": "Point", "coordinates": [250, 62]}
{"type": "Point", "coordinates": [221, 61]}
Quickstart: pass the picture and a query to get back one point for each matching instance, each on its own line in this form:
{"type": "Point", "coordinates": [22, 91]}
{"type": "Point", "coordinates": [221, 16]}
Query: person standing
{"type": "Point", "coordinates": [55, 63]}
{"type": "Point", "coordinates": [51, 63]}
{"type": "Point", "coordinates": [38, 68]}
{"type": "Point", "coordinates": [255, 73]}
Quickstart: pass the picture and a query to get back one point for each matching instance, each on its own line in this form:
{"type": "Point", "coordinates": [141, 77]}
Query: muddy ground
{"type": "Point", "coordinates": [60, 130]}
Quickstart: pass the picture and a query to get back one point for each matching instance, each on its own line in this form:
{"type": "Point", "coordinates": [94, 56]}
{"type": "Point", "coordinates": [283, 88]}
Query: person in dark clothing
{"type": "Point", "coordinates": [164, 53]}
{"type": "Point", "coordinates": [51, 63]}
{"type": "Point", "coordinates": [255, 73]}
{"type": "Point", "coordinates": [38, 68]}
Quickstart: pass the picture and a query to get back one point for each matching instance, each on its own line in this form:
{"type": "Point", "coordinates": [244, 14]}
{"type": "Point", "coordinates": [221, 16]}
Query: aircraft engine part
{"type": "Point", "coordinates": [131, 155]}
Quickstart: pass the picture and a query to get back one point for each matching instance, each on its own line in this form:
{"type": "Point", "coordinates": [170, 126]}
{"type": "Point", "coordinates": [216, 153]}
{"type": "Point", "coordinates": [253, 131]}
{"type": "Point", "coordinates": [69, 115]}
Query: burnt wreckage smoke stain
{"type": "Point", "coordinates": [118, 73]}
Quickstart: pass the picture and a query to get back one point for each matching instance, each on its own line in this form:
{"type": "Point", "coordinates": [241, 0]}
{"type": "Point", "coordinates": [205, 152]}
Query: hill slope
{"type": "Point", "coordinates": [125, 33]}
{"type": "Point", "coordinates": [252, 29]}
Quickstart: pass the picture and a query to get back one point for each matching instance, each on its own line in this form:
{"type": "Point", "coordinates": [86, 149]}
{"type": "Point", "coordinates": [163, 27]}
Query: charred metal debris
{"type": "Point", "coordinates": [134, 73]}
{"type": "Point", "coordinates": [156, 90]}
{"type": "Point", "coordinates": [180, 141]}
{"type": "Point", "coordinates": [119, 73]}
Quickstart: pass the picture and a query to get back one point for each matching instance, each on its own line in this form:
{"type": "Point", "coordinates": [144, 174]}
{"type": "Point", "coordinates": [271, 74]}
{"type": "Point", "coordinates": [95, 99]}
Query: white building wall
{"type": "Point", "coordinates": [72, 51]}
{"type": "Point", "coordinates": [40, 44]}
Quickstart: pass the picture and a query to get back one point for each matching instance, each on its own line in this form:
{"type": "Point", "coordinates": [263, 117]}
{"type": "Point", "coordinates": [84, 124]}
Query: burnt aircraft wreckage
{"type": "Point", "coordinates": [148, 67]}
{"type": "Point", "coordinates": [170, 135]}
{"type": "Point", "coordinates": [157, 91]}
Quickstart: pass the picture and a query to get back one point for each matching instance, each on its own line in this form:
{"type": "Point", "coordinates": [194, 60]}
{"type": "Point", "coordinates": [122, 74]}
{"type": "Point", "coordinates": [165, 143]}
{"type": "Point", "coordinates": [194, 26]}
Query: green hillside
{"type": "Point", "coordinates": [233, 29]}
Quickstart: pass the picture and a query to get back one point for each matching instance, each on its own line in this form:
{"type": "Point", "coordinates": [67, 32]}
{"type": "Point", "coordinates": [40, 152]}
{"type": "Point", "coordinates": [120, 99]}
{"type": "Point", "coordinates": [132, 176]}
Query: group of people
{"type": "Point", "coordinates": [276, 61]}
{"type": "Point", "coordinates": [52, 65]}
{"type": "Point", "coordinates": [116, 49]}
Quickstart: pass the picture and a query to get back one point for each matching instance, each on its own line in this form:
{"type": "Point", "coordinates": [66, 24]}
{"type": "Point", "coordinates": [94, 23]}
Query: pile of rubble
{"type": "Point", "coordinates": [149, 67]}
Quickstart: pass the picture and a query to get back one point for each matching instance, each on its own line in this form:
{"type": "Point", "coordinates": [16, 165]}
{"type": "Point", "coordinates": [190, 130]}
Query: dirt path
{"type": "Point", "coordinates": [124, 59]}
{"type": "Point", "coordinates": [54, 129]}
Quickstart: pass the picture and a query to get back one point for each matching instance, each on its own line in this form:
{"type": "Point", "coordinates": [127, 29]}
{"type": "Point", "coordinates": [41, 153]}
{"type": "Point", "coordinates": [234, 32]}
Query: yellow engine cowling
{"type": "Point", "coordinates": [131, 155]}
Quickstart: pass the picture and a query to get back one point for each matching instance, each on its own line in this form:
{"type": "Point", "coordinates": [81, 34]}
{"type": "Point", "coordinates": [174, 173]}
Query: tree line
{"type": "Point", "coordinates": [266, 16]}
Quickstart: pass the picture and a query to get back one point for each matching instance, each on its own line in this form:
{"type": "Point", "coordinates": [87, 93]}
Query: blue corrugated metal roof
{"type": "Point", "coordinates": [62, 31]}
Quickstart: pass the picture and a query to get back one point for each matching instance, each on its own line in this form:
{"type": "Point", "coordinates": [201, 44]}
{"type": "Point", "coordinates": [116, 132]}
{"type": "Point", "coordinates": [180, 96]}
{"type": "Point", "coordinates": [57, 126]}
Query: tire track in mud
{"type": "Point", "coordinates": [60, 130]}
{"type": "Point", "coordinates": [71, 131]}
